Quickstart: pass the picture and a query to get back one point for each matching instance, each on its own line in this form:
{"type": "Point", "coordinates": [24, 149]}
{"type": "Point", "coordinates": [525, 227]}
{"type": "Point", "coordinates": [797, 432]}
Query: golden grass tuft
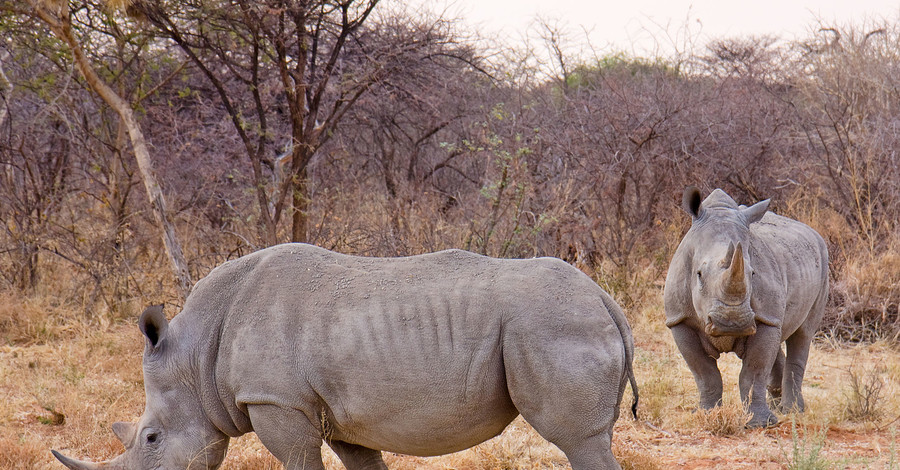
{"type": "Point", "coordinates": [661, 391]}
{"type": "Point", "coordinates": [632, 459]}
{"type": "Point", "coordinates": [725, 420]}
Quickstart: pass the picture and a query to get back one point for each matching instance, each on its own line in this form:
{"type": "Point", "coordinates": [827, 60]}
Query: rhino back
{"type": "Point", "coordinates": [389, 351]}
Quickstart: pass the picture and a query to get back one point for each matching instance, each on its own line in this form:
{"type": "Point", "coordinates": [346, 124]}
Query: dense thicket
{"type": "Point", "coordinates": [416, 141]}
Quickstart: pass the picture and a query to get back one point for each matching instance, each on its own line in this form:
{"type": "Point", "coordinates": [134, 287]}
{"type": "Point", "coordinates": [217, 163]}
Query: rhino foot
{"type": "Point", "coordinates": [762, 420]}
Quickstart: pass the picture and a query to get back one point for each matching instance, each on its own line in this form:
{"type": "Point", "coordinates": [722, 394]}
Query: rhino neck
{"type": "Point", "coordinates": [205, 332]}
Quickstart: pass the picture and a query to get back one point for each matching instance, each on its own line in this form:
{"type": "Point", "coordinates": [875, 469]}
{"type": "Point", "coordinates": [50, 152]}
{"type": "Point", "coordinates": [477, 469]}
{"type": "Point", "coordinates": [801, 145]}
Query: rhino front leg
{"type": "Point", "coordinates": [356, 457]}
{"type": "Point", "coordinates": [702, 365]}
{"type": "Point", "coordinates": [289, 435]}
{"type": "Point", "coordinates": [759, 358]}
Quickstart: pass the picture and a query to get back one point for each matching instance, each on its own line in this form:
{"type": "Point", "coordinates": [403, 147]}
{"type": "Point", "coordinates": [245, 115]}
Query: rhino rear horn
{"type": "Point", "coordinates": [729, 256]}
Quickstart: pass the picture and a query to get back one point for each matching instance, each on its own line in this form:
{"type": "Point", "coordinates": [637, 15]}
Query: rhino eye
{"type": "Point", "coordinates": [699, 275]}
{"type": "Point", "coordinates": [152, 437]}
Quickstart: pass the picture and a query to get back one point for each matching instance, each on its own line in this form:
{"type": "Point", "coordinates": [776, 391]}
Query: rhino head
{"type": "Point", "coordinates": [721, 270]}
{"type": "Point", "coordinates": [173, 432]}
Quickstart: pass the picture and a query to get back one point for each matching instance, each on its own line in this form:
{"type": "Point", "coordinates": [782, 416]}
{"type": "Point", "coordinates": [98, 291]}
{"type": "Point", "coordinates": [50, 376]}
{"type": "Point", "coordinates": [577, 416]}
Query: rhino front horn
{"type": "Point", "coordinates": [736, 286]}
{"type": "Point", "coordinates": [78, 464]}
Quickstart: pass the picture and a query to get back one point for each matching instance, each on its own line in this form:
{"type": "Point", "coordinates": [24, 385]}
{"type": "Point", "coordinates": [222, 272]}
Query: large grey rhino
{"type": "Point", "coordinates": [744, 280]}
{"type": "Point", "coordinates": [423, 355]}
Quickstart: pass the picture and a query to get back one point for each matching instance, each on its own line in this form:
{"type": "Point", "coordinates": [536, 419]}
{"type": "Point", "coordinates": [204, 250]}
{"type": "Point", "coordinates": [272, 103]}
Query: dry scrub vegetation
{"type": "Point", "coordinates": [417, 139]}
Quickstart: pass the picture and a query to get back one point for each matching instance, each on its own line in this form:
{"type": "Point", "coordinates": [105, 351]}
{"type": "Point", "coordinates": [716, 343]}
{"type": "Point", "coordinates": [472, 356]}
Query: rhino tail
{"type": "Point", "coordinates": [618, 316]}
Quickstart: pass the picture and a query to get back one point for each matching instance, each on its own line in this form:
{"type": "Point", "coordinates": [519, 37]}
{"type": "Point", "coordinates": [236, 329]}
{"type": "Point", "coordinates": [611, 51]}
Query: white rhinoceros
{"type": "Point", "coordinates": [744, 280]}
{"type": "Point", "coordinates": [422, 355]}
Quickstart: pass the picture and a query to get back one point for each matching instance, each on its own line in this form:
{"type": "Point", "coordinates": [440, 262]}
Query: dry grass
{"type": "Point", "coordinates": [726, 420]}
{"type": "Point", "coordinates": [21, 453]}
{"type": "Point", "coordinates": [64, 390]}
{"type": "Point", "coordinates": [35, 319]}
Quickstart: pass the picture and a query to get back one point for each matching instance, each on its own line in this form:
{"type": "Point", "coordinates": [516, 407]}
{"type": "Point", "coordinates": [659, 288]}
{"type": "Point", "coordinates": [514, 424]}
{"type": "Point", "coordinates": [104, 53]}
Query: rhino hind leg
{"type": "Point", "coordinates": [356, 457]}
{"type": "Point", "coordinates": [592, 453]}
{"type": "Point", "coordinates": [798, 345]}
{"type": "Point", "coordinates": [569, 395]}
{"type": "Point", "coordinates": [795, 368]}
{"type": "Point", "coordinates": [776, 381]}
{"type": "Point", "coordinates": [288, 435]}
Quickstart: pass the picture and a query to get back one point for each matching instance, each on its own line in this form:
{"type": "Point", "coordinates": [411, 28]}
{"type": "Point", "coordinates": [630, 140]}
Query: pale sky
{"type": "Point", "coordinates": [632, 25]}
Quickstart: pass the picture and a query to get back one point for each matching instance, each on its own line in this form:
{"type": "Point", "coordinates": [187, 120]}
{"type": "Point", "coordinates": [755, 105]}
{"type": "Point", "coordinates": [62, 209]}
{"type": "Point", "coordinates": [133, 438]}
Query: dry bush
{"type": "Point", "coordinates": [848, 104]}
{"type": "Point", "coordinates": [864, 399]}
{"type": "Point", "coordinates": [866, 298]}
{"type": "Point", "coordinates": [588, 168]}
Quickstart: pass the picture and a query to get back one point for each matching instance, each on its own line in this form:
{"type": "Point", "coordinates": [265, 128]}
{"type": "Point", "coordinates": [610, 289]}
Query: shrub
{"type": "Point", "coordinates": [864, 398]}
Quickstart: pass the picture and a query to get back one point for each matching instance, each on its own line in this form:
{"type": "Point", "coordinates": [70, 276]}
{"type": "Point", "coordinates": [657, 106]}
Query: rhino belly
{"type": "Point", "coordinates": [448, 408]}
{"type": "Point", "coordinates": [438, 430]}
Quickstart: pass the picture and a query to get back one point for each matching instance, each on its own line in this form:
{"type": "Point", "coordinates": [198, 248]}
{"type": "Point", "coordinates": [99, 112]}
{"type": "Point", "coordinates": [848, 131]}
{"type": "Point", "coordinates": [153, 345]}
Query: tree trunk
{"type": "Point", "coordinates": [62, 27]}
{"type": "Point", "coordinates": [300, 201]}
{"type": "Point", "coordinates": [5, 87]}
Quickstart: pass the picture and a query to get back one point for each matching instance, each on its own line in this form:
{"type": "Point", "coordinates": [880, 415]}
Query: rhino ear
{"type": "Point", "coordinates": [154, 325]}
{"type": "Point", "coordinates": [125, 432]}
{"type": "Point", "coordinates": [690, 201]}
{"type": "Point", "coordinates": [755, 212]}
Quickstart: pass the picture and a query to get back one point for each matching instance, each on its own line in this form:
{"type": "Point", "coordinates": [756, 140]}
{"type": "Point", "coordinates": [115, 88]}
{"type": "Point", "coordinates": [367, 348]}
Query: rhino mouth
{"type": "Point", "coordinates": [731, 320]}
{"type": "Point", "coordinates": [715, 329]}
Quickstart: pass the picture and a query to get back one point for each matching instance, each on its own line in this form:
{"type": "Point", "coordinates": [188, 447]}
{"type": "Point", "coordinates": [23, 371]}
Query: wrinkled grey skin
{"type": "Point", "coordinates": [423, 355]}
{"type": "Point", "coordinates": [744, 280]}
